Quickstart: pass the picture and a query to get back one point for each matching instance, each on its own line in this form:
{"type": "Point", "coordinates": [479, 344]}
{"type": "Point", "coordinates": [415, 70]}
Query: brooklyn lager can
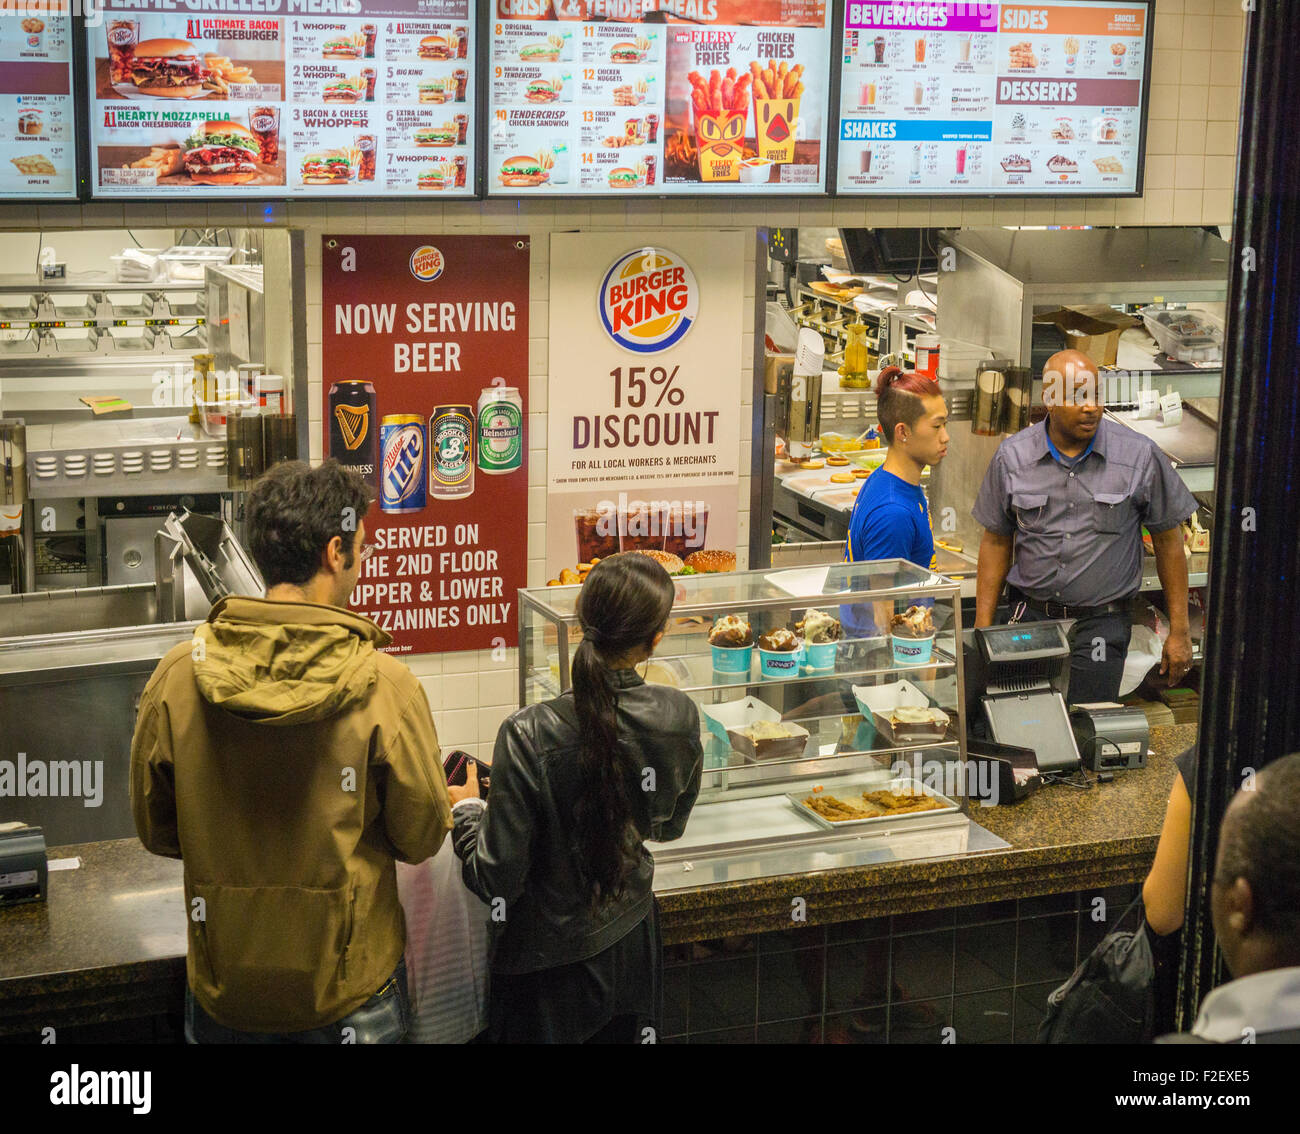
{"type": "Point", "coordinates": [451, 452]}
{"type": "Point", "coordinates": [353, 427]}
{"type": "Point", "coordinates": [401, 445]}
{"type": "Point", "coordinates": [500, 430]}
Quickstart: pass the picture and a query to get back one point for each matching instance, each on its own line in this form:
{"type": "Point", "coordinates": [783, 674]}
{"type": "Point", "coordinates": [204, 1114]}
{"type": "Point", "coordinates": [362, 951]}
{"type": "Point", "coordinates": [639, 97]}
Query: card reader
{"type": "Point", "coordinates": [23, 873]}
{"type": "Point", "coordinates": [1021, 673]}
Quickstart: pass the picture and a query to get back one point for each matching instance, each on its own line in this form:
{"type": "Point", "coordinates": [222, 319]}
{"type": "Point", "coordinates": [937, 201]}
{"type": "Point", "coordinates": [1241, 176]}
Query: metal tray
{"type": "Point", "coordinates": [796, 801]}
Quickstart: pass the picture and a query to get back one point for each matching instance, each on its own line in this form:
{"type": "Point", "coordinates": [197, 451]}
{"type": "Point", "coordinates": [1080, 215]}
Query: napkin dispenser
{"type": "Point", "coordinates": [23, 870]}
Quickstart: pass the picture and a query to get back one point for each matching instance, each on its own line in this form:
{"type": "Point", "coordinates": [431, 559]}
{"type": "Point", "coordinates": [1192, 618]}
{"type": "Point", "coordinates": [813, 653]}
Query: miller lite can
{"type": "Point", "coordinates": [353, 427]}
{"type": "Point", "coordinates": [401, 475]}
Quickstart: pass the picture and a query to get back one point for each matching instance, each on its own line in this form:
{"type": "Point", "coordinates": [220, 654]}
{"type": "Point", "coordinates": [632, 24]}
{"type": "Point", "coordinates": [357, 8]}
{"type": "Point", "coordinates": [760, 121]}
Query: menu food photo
{"type": "Point", "coordinates": [651, 97]}
{"type": "Point", "coordinates": [302, 99]}
{"type": "Point", "coordinates": [38, 149]}
{"type": "Point", "coordinates": [1012, 99]}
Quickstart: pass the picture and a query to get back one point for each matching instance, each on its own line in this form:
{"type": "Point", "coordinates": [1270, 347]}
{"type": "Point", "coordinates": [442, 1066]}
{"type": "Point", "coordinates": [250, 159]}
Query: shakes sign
{"type": "Point", "coordinates": [643, 423]}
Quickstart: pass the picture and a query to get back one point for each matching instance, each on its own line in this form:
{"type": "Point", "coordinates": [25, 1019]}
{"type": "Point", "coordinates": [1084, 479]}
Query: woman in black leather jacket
{"type": "Point", "coordinates": [579, 784]}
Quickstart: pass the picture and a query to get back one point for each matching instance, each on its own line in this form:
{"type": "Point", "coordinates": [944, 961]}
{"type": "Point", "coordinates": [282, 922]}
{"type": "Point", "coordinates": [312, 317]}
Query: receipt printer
{"type": "Point", "coordinates": [22, 864]}
{"type": "Point", "coordinates": [1111, 737]}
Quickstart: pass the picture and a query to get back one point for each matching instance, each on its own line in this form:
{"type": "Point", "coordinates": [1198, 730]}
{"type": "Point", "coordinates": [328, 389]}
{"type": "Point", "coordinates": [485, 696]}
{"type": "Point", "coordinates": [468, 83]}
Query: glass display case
{"type": "Point", "coordinates": [846, 749]}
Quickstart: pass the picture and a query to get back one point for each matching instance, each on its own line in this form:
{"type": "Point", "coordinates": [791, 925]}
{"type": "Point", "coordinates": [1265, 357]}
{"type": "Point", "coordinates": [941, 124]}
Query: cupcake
{"type": "Point", "coordinates": [914, 622]}
{"type": "Point", "coordinates": [779, 640]}
{"type": "Point", "coordinates": [818, 627]}
{"type": "Point", "coordinates": [731, 630]}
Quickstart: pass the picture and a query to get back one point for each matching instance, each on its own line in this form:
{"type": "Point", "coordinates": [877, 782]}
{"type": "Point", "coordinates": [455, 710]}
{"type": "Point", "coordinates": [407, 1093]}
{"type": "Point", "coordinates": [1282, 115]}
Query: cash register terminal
{"type": "Point", "coordinates": [1020, 676]}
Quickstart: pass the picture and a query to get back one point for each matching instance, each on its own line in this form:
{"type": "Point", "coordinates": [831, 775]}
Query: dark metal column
{"type": "Point", "coordinates": [1250, 711]}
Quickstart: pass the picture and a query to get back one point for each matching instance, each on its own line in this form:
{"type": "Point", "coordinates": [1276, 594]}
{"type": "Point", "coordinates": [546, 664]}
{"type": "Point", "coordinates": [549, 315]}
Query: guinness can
{"type": "Point", "coordinates": [401, 460]}
{"type": "Point", "coordinates": [353, 427]}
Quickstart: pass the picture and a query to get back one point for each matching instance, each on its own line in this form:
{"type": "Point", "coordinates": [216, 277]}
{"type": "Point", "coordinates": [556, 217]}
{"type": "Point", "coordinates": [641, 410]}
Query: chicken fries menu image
{"type": "Point", "coordinates": [300, 98]}
{"type": "Point", "coordinates": [38, 150]}
{"type": "Point", "coordinates": [1013, 99]}
{"type": "Point", "coordinates": [590, 97]}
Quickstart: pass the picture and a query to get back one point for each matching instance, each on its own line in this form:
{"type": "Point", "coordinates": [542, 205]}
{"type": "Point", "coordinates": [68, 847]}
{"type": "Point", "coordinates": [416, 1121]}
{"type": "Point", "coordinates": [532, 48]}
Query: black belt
{"type": "Point", "coordinates": [1051, 609]}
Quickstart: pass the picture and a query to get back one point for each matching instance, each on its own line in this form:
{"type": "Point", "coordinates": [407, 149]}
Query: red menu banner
{"type": "Point", "coordinates": [425, 368]}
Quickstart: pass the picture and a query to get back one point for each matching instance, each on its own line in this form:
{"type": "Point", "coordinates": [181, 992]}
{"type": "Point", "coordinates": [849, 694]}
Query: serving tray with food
{"type": "Point", "coordinates": [869, 803]}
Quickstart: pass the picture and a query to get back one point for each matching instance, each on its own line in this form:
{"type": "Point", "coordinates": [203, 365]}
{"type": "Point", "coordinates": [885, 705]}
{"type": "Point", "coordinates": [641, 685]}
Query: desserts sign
{"type": "Point", "coordinates": [425, 368]}
{"type": "Point", "coordinates": [643, 432]}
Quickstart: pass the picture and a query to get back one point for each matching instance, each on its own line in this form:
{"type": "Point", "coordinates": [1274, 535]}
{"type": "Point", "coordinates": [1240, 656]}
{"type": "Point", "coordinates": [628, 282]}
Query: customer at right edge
{"type": "Point", "coordinates": [1255, 907]}
{"type": "Point", "coordinates": [579, 784]}
{"type": "Point", "coordinates": [287, 763]}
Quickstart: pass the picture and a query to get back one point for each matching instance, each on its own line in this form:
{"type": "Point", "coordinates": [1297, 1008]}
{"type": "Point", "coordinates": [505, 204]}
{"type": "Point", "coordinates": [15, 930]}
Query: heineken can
{"type": "Point", "coordinates": [451, 452]}
{"type": "Point", "coordinates": [352, 427]}
{"type": "Point", "coordinates": [401, 479]}
{"type": "Point", "coordinates": [500, 430]}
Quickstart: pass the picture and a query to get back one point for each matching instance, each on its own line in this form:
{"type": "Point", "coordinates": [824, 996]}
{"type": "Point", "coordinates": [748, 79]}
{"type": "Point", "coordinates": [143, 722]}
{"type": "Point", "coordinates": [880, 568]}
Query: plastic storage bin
{"type": "Point", "coordinates": [1183, 334]}
{"type": "Point", "coordinates": [187, 263]}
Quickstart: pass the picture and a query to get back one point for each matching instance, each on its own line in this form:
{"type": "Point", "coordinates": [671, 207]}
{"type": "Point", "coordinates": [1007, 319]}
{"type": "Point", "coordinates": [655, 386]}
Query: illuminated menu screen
{"type": "Point", "coordinates": [1011, 99]}
{"type": "Point", "coordinates": [648, 97]}
{"type": "Point", "coordinates": [38, 149]}
{"type": "Point", "coordinates": [297, 98]}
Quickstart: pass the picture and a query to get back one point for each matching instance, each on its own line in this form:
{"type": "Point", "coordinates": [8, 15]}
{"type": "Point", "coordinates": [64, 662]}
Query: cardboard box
{"type": "Point", "coordinates": [775, 368]}
{"type": "Point", "coordinates": [1091, 328]}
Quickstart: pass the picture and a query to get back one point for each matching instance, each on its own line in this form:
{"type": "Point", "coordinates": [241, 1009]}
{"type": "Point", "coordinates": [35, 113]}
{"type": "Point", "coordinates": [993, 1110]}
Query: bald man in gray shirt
{"type": "Point", "coordinates": [1063, 505]}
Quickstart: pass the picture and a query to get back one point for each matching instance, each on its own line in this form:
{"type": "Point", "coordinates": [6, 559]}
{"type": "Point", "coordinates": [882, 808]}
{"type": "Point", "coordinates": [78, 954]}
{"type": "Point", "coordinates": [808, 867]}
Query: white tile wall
{"type": "Point", "coordinates": [1196, 78]}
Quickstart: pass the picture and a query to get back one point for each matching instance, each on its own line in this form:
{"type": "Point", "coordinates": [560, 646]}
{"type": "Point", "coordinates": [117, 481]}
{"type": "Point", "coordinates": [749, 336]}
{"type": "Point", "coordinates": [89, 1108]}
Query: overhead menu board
{"type": "Point", "coordinates": [283, 98]}
{"type": "Point", "coordinates": [38, 149]}
{"type": "Point", "coordinates": [1011, 99]}
{"type": "Point", "coordinates": [648, 97]}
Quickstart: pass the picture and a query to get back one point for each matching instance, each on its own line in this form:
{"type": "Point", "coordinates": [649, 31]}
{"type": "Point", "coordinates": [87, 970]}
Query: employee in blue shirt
{"type": "Point", "coordinates": [1063, 505]}
{"type": "Point", "coordinates": [891, 518]}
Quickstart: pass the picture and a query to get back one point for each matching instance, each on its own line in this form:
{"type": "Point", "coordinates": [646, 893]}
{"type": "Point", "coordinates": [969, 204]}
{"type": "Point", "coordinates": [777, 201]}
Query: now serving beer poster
{"type": "Point", "coordinates": [644, 416]}
{"type": "Point", "coordinates": [425, 384]}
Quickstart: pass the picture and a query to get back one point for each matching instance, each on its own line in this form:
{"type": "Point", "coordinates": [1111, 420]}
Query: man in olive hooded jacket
{"type": "Point", "coordinates": [288, 763]}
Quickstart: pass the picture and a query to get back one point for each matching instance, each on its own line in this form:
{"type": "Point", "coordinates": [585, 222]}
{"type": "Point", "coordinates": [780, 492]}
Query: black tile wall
{"type": "Point", "coordinates": [985, 956]}
{"type": "Point", "coordinates": [868, 1026]}
{"type": "Point", "coordinates": [723, 994]}
{"type": "Point", "coordinates": [922, 966]}
{"type": "Point", "coordinates": [807, 1030]}
{"type": "Point", "coordinates": [790, 984]}
{"type": "Point", "coordinates": [925, 1021]}
{"type": "Point", "coordinates": [984, 1017]}
{"type": "Point", "coordinates": [857, 974]}
{"type": "Point", "coordinates": [987, 911]}
{"type": "Point", "coordinates": [1045, 948]}
{"type": "Point", "coordinates": [977, 974]}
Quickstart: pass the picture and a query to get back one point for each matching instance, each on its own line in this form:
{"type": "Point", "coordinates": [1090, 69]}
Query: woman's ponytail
{"type": "Point", "coordinates": [623, 604]}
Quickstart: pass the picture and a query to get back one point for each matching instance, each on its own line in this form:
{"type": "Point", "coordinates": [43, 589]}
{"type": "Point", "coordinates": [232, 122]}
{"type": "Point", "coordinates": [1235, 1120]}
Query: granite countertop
{"type": "Point", "coordinates": [119, 920]}
{"type": "Point", "coordinates": [1061, 838]}
{"type": "Point", "coordinates": [108, 942]}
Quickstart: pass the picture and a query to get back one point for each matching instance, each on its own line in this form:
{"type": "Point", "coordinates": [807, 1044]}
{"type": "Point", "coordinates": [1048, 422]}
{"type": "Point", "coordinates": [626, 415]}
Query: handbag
{"type": "Point", "coordinates": [1111, 996]}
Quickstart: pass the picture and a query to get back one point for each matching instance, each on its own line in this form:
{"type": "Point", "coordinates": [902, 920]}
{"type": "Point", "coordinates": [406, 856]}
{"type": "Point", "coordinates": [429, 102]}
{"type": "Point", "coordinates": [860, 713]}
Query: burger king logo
{"type": "Point", "coordinates": [427, 263]}
{"type": "Point", "coordinates": [648, 300]}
